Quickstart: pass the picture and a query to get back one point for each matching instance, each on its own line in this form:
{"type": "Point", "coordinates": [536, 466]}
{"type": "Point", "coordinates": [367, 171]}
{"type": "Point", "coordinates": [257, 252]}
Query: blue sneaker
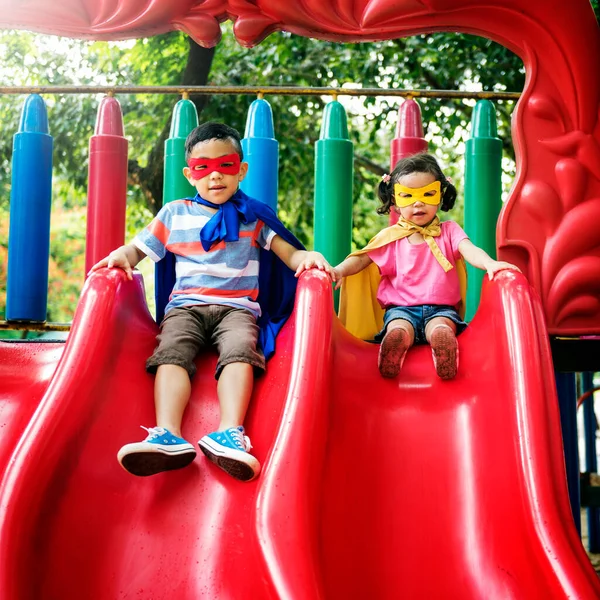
{"type": "Point", "coordinates": [229, 450]}
{"type": "Point", "coordinates": [160, 451]}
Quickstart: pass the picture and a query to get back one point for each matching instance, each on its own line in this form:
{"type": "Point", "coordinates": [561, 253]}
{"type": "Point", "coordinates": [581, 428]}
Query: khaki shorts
{"type": "Point", "coordinates": [185, 331]}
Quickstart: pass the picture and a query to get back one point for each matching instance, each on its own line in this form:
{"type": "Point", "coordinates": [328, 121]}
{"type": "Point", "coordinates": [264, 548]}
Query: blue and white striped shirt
{"type": "Point", "coordinates": [227, 274]}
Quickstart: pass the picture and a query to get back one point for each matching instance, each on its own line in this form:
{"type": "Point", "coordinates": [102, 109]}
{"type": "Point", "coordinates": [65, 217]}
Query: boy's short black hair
{"type": "Point", "coordinates": [213, 131]}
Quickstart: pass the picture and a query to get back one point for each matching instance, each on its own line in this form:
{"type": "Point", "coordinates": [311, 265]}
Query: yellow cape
{"type": "Point", "coordinates": [360, 311]}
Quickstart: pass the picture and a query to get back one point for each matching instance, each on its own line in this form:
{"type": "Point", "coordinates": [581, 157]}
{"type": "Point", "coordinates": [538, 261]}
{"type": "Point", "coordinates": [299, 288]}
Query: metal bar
{"type": "Point", "coordinates": [34, 326]}
{"type": "Point", "coordinates": [255, 90]}
{"type": "Point", "coordinates": [591, 461]}
{"type": "Point", "coordinates": [567, 403]}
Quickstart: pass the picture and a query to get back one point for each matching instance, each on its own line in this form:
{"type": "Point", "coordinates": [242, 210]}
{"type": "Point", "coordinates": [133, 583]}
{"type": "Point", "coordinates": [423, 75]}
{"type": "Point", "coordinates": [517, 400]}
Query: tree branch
{"type": "Point", "coordinates": [150, 177]}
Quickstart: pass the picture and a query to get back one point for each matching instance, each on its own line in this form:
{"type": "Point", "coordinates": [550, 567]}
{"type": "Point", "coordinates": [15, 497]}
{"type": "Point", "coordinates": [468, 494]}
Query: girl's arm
{"type": "Point", "coordinates": [350, 266]}
{"type": "Point", "coordinates": [482, 260]}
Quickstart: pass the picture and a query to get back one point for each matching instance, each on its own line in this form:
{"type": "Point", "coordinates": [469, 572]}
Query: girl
{"type": "Point", "coordinates": [418, 263]}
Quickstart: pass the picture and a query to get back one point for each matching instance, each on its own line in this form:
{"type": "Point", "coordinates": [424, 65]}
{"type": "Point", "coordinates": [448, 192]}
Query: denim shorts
{"type": "Point", "coordinates": [419, 316]}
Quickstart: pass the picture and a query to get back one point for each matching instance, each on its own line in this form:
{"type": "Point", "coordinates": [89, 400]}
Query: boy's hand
{"type": "Point", "coordinates": [315, 260]}
{"type": "Point", "coordinates": [117, 258]}
{"type": "Point", "coordinates": [498, 265]}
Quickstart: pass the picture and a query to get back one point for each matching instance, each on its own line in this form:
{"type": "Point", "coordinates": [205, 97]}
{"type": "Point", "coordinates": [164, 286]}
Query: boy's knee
{"type": "Point", "coordinates": [256, 362]}
{"type": "Point", "coordinates": [170, 358]}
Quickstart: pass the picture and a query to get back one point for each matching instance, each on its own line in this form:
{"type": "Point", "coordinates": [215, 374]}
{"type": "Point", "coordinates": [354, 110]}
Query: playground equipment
{"type": "Point", "coordinates": [175, 186]}
{"type": "Point", "coordinates": [590, 426]}
{"type": "Point", "coordinates": [29, 243]}
{"type": "Point", "coordinates": [261, 150]}
{"type": "Point", "coordinates": [334, 170]}
{"type": "Point", "coordinates": [409, 138]}
{"type": "Point", "coordinates": [483, 180]}
{"type": "Point", "coordinates": [324, 520]}
{"type": "Point", "coordinates": [107, 184]}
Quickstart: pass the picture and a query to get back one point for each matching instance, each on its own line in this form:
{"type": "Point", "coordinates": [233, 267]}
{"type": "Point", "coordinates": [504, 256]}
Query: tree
{"type": "Point", "coordinates": [440, 61]}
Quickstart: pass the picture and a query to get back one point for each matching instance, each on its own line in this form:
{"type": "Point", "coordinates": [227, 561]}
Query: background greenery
{"type": "Point", "coordinates": [433, 61]}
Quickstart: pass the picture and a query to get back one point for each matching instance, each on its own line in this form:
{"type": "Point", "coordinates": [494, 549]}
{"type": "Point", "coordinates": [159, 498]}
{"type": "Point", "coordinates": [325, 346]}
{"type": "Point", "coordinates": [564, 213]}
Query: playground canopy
{"type": "Point", "coordinates": [556, 193]}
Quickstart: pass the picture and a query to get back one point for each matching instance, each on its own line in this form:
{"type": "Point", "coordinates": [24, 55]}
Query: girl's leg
{"type": "Point", "coordinates": [172, 389]}
{"type": "Point", "coordinates": [234, 390]}
{"type": "Point", "coordinates": [399, 337]}
{"type": "Point", "coordinates": [440, 332]}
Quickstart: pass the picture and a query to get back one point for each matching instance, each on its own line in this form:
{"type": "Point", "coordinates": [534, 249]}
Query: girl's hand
{"type": "Point", "coordinates": [314, 260]}
{"type": "Point", "coordinates": [337, 278]}
{"type": "Point", "coordinates": [498, 265]}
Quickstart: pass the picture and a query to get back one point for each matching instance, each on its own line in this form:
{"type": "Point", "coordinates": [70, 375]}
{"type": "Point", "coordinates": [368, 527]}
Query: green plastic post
{"type": "Point", "coordinates": [483, 192]}
{"type": "Point", "coordinates": [175, 185]}
{"type": "Point", "coordinates": [334, 173]}
{"type": "Point", "coordinates": [184, 119]}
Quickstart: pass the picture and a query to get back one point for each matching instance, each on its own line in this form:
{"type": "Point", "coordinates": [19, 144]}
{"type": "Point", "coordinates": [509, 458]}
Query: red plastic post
{"type": "Point", "coordinates": [409, 137]}
{"type": "Point", "coordinates": [107, 183]}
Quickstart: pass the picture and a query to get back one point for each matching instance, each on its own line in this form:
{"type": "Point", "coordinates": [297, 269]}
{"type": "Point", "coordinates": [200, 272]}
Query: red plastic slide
{"type": "Point", "coordinates": [371, 488]}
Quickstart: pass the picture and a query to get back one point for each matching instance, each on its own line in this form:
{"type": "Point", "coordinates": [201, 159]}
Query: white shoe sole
{"type": "Point", "coordinates": [238, 464]}
{"type": "Point", "coordinates": [143, 459]}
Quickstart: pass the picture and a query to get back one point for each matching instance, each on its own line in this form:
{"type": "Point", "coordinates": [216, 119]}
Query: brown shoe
{"type": "Point", "coordinates": [392, 352]}
{"type": "Point", "coordinates": [444, 348]}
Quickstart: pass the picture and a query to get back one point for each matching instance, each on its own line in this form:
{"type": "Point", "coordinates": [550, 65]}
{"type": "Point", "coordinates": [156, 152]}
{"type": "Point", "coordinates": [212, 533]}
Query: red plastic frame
{"type": "Point", "coordinates": [366, 481]}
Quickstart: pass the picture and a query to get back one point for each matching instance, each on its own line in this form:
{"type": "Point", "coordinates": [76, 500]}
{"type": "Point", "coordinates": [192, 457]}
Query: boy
{"type": "Point", "coordinates": [216, 239]}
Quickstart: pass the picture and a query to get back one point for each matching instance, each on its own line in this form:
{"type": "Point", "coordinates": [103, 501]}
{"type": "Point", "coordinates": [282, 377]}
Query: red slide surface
{"type": "Point", "coordinates": [371, 488]}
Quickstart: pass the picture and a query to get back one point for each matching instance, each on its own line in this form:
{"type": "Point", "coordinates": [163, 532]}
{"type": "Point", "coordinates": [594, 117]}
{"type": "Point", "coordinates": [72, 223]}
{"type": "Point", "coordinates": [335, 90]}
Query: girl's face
{"type": "Point", "coordinates": [418, 213]}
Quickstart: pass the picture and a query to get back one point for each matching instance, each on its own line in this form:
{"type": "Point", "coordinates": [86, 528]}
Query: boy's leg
{"type": "Point", "coordinates": [399, 337]}
{"type": "Point", "coordinates": [172, 390]}
{"type": "Point", "coordinates": [235, 336]}
{"type": "Point", "coordinates": [234, 390]}
{"type": "Point", "coordinates": [164, 449]}
{"type": "Point", "coordinates": [440, 332]}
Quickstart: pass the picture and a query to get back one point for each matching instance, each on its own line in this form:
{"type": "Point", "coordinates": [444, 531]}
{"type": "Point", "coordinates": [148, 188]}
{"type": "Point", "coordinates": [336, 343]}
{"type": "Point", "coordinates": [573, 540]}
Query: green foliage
{"type": "Point", "coordinates": [440, 61]}
{"type": "Point", "coordinates": [429, 61]}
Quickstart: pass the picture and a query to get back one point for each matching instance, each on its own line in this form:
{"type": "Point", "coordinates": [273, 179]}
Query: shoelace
{"type": "Point", "coordinates": [153, 432]}
{"type": "Point", "coordinates": [243, 441]}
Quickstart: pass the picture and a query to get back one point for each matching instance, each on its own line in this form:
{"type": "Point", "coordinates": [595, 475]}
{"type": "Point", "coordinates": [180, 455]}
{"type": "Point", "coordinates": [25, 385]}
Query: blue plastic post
{"type": "Point", "coordinates": [30, 201]}
{"type": "Point", "coordinates": [567, 401]}
{"type": "Point", "coordinates": [591, 460]}
{"type": "Point", "coordinates": [261, 152]}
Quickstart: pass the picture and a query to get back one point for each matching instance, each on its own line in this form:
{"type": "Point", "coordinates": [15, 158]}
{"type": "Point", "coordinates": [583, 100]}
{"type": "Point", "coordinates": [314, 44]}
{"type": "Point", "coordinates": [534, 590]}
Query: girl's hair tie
{"type": "Point", "coordinates": [386, 178]}
{"type": "Point", "coordinates": [449, 180]}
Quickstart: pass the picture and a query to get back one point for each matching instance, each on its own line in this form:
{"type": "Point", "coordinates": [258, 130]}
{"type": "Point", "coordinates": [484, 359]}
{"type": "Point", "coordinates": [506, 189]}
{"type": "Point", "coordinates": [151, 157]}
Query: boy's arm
{"type": "Point", "coordinates": [126, 258]}
{"type": "Point", "coordinates": [299, 260]}
{"type": "Point", "coordinates": [351, 266]}
{"type": "Point", "coordinates": [481, 259]}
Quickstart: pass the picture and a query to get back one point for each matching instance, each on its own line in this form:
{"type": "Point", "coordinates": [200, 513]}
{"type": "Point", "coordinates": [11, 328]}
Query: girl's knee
{"type": "Point", "coordinates": [438, 322]}
{"type": "Point", "coordinates": [402, 324]}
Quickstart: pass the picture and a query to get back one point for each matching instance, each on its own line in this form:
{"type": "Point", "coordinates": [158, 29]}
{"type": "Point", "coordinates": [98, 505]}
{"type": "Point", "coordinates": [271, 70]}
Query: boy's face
{"type": "Point", "coordinates": [216, 187]}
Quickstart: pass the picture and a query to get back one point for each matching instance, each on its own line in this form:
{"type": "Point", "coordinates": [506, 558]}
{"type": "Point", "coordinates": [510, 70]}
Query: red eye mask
{"type": "Point", "coordinates": [201, 167]}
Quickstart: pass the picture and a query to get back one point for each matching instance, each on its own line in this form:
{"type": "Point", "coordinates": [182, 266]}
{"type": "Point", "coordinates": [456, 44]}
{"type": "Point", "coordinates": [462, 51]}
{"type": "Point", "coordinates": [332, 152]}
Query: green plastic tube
{"type": "Point", "coordinates": [334, 173]}
{"type": "Point", "coordinates": [483, 192]}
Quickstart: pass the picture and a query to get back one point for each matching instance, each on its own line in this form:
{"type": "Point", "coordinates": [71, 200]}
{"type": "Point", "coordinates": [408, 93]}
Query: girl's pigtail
{"type": "Point", "coordinates": [385, 194]}
{"type": "Point", "coordinates": [448, 193]}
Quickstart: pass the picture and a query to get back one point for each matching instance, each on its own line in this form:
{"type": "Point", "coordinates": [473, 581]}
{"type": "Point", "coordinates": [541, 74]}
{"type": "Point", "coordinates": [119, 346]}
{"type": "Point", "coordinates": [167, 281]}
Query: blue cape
{"type": "Point", "coordinates": [277, 283]}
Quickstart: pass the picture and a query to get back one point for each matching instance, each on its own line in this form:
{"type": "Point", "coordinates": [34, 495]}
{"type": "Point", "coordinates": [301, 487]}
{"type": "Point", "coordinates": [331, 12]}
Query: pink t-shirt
{"type": "Point", "coordinates": [412, 276]}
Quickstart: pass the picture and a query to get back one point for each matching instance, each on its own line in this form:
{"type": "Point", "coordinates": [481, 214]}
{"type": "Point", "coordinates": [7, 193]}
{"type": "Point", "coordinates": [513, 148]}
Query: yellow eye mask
{"type": "Point", "coordinates": [405, 196]}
